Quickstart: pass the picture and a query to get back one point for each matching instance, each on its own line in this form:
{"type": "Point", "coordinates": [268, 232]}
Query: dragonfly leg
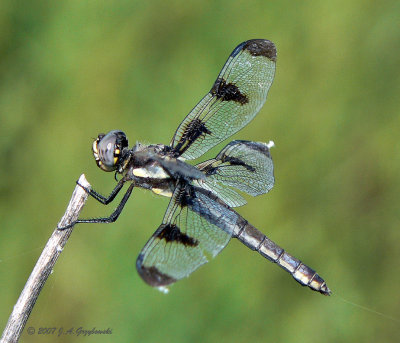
{"type": "Point", "coordinates": [101, 198]}
{"type": "Point", "coordinates": [112, 218]}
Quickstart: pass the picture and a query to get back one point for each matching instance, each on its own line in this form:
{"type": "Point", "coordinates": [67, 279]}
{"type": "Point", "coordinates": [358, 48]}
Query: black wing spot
{"type": "Point", "coordinates": [234, 161]}
{"type": "Point", "coordinates": [228, 92]}
{"type": "Point", "coordinates": [192, 131]}
{"type": "Point", "coordinates": [172, 233]}
{"type": "Point", "coordinates": [260, 147]}
{"type": "Point", "coordinates": [261, 47]}
{"type": "Point", "coordinates": [152, 275]}
{"type": "Point", "coordinates": [185, 196]}
{"type": "Point", "coordinates": [210, 170]}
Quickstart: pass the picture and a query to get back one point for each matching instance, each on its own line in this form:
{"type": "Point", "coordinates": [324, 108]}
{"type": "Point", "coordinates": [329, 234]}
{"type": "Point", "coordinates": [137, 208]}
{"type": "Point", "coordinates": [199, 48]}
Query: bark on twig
{"type": "Point", "coordinates": [44, 266]}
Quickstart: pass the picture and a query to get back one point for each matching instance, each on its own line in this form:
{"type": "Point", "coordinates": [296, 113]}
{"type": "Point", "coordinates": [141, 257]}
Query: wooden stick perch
{"type": "Point", "coordinates": [44, 266]}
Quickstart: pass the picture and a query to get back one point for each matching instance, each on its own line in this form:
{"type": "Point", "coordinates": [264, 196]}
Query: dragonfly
{"type": "Point", "coordinates": [200, 219]}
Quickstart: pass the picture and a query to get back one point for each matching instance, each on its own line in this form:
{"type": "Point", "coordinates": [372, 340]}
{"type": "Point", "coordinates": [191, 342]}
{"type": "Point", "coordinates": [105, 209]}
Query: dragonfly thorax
{"type": "Point", "coordinates": [153, 167]}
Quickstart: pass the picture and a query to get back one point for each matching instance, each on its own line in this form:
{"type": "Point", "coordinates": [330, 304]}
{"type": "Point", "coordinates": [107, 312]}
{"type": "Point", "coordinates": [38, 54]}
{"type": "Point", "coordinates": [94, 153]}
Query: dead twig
{"type": "Point", "coordinates": [44, 266]}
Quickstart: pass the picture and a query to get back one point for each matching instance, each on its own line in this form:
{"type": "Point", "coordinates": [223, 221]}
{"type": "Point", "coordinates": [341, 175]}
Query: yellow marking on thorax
{"type": "Point", "coordinates": [140, 172]}
{"type": "Point", "coordinates": [151, 172]}
{"type": "Point", "coordinates": [163, 192]}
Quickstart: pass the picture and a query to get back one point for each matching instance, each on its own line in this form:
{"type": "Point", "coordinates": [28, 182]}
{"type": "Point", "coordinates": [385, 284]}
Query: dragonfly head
{"type": "Point", "coordinates": [109, 150]}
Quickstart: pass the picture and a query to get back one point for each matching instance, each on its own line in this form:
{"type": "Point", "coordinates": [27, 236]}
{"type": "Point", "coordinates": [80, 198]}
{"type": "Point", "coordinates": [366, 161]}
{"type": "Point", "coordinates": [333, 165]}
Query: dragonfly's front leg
{"type": "Point", "coordinates": [105, 200]}
{"type": "Point", "coordinates": [101, 198]}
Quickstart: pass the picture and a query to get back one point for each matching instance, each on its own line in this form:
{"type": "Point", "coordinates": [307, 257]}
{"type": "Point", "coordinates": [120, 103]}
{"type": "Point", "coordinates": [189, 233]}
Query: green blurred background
{"type": "Point", "coordinates": [69, 70]}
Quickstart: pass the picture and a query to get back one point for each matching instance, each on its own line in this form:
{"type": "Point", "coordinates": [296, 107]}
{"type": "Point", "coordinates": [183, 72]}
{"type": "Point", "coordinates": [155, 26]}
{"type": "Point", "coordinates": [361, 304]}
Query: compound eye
{"type": "Point", "coordinates": [107, 150]}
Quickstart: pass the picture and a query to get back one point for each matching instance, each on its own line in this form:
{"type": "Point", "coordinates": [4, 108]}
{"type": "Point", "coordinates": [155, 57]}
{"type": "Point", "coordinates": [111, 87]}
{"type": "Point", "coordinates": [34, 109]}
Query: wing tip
{"type": "Point", "coordinates": [152, 276]}
{"type": "Point", "coordinates": [259, 47]}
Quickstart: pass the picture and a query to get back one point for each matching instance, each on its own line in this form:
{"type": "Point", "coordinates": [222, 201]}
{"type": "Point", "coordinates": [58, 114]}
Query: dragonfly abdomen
{"type": "Point", "coordinates": [256, 240]}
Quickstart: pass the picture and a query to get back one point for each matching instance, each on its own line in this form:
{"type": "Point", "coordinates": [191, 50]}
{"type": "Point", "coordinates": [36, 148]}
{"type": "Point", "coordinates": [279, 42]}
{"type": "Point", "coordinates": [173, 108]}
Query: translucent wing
{"type": "Point", "coordinates": [235, 98]}
{"type": "Point", "coordinates": [244, 165]}
{"type": "Point", "coordinates": [196, 224]}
